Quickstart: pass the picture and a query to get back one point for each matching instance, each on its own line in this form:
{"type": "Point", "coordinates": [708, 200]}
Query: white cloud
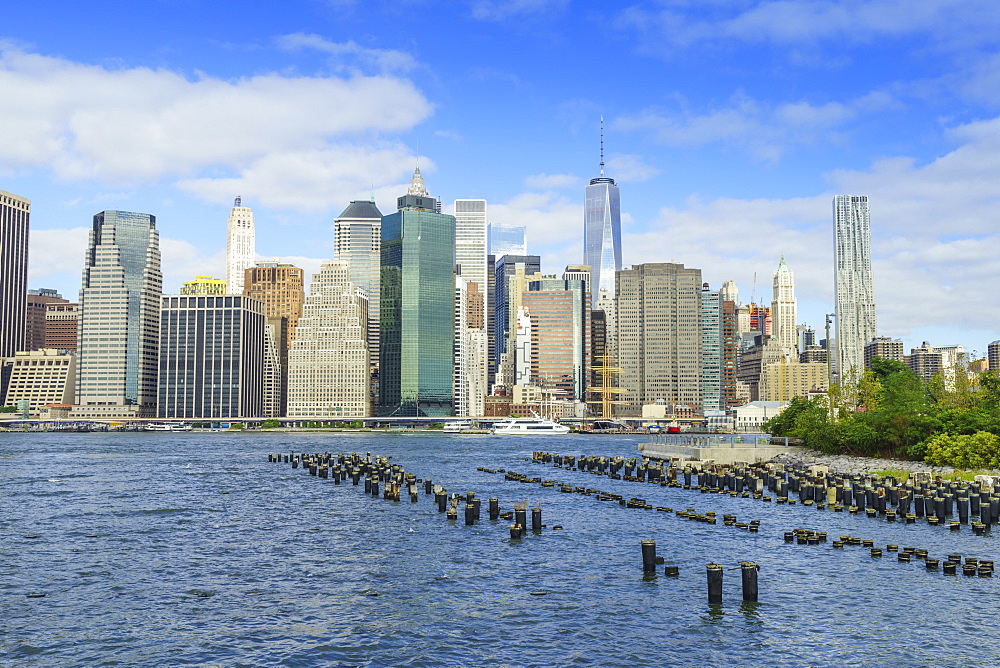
{"type": "Point", "coordinates": [499, 10]}
{"type": "Point", "coordinates": [552, 181]}
{"type": "Point", "coordinates": [141, 125]}
{"type": "Point", "coordinates": [625, 168]}
{"type": "Point", "coordinates": [766, 131]}
{"type": "Point", "coordinates": [343, 53]}
{"type": "Point", "coordinates": [181, 261]}
{"type": "Point", "coordinates": [552, 222]}
{"type": "Point", "coordinates": [806, 22]}
{"type": "Point", "coordinates": [308, 180]}
{"type": "Point", "coordinates": [57, 259]}
{"type": "Point", "coordinates": [934, 238]}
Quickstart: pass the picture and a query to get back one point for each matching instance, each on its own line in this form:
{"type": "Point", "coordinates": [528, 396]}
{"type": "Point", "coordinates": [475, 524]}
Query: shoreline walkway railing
{"type": "Point", "coordinates": [721, 440]}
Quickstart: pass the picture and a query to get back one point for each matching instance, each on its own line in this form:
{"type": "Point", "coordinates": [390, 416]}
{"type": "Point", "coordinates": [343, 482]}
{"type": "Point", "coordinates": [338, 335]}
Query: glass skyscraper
{"type": "Point", "coordinates": [417, 328]}
{"type": "Point", "coordinates": [856, 324]}
{"type": "Point", "coordinates": [602, 234]}
{"type": "Point", "coordinates": [119, 324]}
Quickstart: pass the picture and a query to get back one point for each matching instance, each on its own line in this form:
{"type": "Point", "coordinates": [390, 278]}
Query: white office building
{"type": "Point", "coordinates": [240, 246]}
{"type": "Point", "coordinates": [328, 362]}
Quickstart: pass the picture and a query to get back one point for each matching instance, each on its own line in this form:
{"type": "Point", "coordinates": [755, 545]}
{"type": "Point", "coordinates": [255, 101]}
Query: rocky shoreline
{"type": "Point", "coordinates": [861, 465]}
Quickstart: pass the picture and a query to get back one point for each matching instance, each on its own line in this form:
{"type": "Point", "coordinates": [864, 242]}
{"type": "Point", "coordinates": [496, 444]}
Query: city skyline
{"type": "Point", "coordinates": [759, 114]}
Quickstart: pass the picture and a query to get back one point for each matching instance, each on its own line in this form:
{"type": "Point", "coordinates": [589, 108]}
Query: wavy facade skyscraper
{"type": "Point", "coordinates": [856, 323]}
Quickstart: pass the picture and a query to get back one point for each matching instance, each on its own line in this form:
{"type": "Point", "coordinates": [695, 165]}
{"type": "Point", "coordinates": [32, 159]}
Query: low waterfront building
{"type": "Point", "coordinates": [749, 418]}
{"type": "Point", "coordinates": [40, 377]}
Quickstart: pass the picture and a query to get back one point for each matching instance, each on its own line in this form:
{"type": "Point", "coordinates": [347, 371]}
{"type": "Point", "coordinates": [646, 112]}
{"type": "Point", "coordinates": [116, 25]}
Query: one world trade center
{"type": "Point", "coordinates": [602, 234]}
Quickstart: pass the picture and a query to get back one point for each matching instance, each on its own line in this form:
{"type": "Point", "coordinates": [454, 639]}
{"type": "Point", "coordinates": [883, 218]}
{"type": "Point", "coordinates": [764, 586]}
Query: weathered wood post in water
{"type": "Point", "coordinates": [714, 583]}
{"type": "Point", "coordinates": [648, 556]}
{"type": "Point", "coordinates": [749, 572]}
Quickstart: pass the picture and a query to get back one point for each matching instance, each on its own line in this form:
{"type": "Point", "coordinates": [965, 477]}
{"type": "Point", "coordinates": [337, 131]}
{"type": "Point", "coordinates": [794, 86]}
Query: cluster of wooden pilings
{"type": "Point", "coordinates": [634, 502]}
{"type": "Point", "coordinates": [972, 565]}
{"type": "Point", "coordinates": [934, 501]}
{"type": "Point", "coordinates": [392, 481]}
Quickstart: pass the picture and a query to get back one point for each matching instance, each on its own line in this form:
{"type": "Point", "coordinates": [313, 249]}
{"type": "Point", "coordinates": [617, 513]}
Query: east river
{"type": "Point", "coordinates": [193, 550]}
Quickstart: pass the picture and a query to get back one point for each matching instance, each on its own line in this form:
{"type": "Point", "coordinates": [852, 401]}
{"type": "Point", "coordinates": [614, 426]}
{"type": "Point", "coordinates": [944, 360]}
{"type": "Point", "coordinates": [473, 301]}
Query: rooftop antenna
{"type": "Point", "coordinates": [373, 193]}
{"type": "Point", "coordinates": [602, 145]}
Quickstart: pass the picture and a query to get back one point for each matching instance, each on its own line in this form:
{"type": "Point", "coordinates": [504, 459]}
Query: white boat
{"type": "Point", "coordinates": [460, 426]}
{"type": "Point", "coordinates": [165, 426]}
{"type": "Point", "coordinates": [538, 426]}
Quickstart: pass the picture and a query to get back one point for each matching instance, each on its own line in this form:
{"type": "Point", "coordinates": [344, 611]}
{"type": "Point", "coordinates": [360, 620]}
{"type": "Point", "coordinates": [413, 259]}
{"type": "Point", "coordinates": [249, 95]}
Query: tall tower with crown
{"type": "Point", "coordinates": [784, 307]}
{"type": "Point", "coordinates": [240, 246]}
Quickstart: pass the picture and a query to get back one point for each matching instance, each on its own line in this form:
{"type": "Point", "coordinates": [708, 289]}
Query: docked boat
{"type": "Point", "coordinates": [537, 426]}
{"type": "Point", "coordinates": [460, 427]}
{"type": "Point", "coordinates": [165, 426]}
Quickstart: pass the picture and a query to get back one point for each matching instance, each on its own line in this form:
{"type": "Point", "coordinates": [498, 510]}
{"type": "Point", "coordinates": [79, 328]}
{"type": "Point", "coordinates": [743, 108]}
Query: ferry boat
{"type": "Point", "coordinates": [460, 426]}
{"type": "Point", "coordinates": [529, 426]}
{"type": "Point", "coordinates": [164, 426]}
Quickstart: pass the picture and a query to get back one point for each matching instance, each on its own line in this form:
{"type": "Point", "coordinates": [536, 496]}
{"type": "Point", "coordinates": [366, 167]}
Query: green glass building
{"type": "Point", "coordinates": [417, 308]}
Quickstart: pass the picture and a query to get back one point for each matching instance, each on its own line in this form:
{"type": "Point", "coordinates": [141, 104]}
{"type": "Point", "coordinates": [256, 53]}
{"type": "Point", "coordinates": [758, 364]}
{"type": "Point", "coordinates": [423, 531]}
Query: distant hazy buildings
{"type": "Point", "coordinates": [854, 287]}
{"type": "Point", "coordinates": [471, 350]}
{"type": "Point", "coordinates": [660, 346]}
{"type": "Point", "coordinates": [924, 361]}
{"type": "Point", "coordinates": [328, 363]}
{"type": "Point", "coordinates": [357, 240]}
{"type": "Point", "coordinates": [119, 324]}
{"type": "Point", "coordinates": [891, 349]}
{"type": "Point", "coordinates": [559, 312]}
{"type": "Point", "coordinates": [511, 275]}
{"type": "Point", "coordinates": [240, 246]}
{"type": "Point", "coordinates": [416, 361]}
{"type": "Point", "coordinates": [506, 240]}
{"type": "Point", "coordinates": [15, 213]}
{"type": "Point", "coordinates": [993, 356]}
{"type": "Point", "coordinates": [211, 357]}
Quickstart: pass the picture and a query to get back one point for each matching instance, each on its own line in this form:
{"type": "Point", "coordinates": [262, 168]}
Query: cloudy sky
{"type": "Point", "coordinates": [729, 126]}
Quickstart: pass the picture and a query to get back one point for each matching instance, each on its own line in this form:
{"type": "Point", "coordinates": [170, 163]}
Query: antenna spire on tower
{"type": "Point", "coordinates": [602, 144]}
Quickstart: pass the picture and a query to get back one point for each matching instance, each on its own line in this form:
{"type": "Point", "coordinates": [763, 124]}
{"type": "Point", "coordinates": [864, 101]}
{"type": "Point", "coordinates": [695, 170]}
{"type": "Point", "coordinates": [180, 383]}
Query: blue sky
{"type": "Point", "coordinates": [729, 126]}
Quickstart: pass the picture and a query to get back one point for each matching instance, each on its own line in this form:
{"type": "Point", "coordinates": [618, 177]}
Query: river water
{"type": "Point", "coordinates": [193, 550]}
